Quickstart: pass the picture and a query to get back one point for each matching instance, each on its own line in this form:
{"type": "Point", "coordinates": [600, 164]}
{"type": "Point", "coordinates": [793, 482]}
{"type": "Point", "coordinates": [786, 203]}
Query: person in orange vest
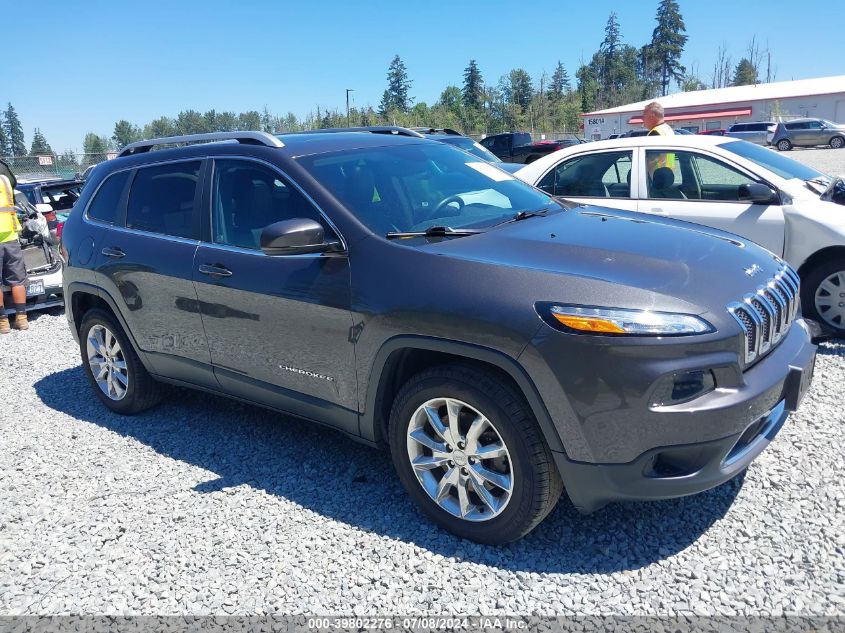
{"type": "Point", "coordinates": [655, 124]}
{"type": "Point", "coordinates": [12, 267]}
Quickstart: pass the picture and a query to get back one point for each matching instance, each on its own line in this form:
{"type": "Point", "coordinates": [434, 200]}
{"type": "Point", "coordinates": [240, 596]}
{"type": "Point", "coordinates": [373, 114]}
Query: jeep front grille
{"type": "Point", "coordinates": [765, 315]}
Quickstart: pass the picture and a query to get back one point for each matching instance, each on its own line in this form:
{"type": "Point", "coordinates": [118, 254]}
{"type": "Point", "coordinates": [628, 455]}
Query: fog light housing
{"type": "Point", "coordinates": [683, 387]}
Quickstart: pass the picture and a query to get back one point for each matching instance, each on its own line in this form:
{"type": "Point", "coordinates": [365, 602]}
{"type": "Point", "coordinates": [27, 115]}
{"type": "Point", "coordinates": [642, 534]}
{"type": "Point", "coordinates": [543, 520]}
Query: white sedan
{"type": "Point", "coordinates": [791, 209]}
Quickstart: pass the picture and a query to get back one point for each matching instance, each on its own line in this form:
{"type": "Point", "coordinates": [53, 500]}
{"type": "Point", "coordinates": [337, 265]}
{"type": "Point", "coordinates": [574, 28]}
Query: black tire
{"type": "Point", "coordinates": [142, 391]}
{"type": "Point", "coordinates": [837, 142]}
{"type": "Point", "coordinates": [536, 482]}
{"type": "Point", "coordinates": [531, 159]}
{"type": "Point", "coordinates": [784, 145]}
{"type": "Point", "coordinates": [810, 284]}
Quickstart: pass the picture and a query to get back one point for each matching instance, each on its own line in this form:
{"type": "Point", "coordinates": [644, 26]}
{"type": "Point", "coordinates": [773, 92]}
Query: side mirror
{"type": "Point", "coordinates": [758, 193]}
{"type": "Point", "coordinates": [43, 207]}
{"type": "Point", "coordinates": [299, 236]}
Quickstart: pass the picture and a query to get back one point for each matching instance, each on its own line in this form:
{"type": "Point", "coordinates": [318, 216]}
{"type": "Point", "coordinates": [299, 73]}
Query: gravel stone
{"type": "Point", "coordinates": [208, 506]}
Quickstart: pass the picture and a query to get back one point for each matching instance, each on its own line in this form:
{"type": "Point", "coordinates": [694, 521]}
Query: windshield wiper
{"type": "Point", "coordinates": [523, 215]}
{"type": "Point", "coordinates": [434, 231]}
{"type": "Point", "coordinates": [824, 183]}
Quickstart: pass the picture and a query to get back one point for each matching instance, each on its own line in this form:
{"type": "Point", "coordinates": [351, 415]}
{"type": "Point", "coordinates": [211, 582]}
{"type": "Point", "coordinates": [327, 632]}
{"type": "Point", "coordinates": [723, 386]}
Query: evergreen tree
{"type": "Point", "coordinates": [608, 54]}
{"type": "Point", "coordinates": [224, 121]}
{"type": "Point", "coordinates": [125, 133]}
{"type": "Point", "coordinates": [249, 121]}
{"type": "Point", "coordinates": [94, 144]}
{"type": "Point", "coordinates": [16, 145]}
{"type": "Point", "coordinates": [190, 122]}
{"type": "Point", "coordinates": [517, 88]}
{"type": "Point", "coordinates": [473, 91]}
{"type": "Point", "coordinates": [745, 73]}
{"type": "Point", "coordinates": [587, 88]}
{"type": "Point", "coordinates": [648, 72]}
{"type": "Point", "coordinates": [396, 96]}
{"type": "Point", "coordinates": [94, 148]}
{"type": "Point", "coordinates": [560, 82]}
{"type": "Point", "coordinates": [159, 128]}
{"type": "Point", "coordinates": [4, 142]}
{"type": "Point", "coordinates": [667, 43]}
{"type": "Point", "coordinates": [40, 146]}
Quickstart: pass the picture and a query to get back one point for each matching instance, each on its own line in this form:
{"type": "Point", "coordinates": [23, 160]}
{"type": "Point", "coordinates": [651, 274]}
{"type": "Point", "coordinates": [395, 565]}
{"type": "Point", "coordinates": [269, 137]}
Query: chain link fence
{"type": "Point", "coordinates": [67, 165]}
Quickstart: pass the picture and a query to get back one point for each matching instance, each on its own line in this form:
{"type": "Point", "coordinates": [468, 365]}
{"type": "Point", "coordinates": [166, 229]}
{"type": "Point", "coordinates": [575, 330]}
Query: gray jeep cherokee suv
{"type": "Point", "coordinates": [500, 343]}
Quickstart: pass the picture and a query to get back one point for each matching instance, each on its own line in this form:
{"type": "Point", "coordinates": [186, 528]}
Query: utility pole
{"type": "Point", "coordinates": [348, 90]}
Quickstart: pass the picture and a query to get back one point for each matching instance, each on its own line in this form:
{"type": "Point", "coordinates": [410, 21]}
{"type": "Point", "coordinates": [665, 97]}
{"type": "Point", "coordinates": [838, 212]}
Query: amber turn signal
{"type": "Point", "coordinates": [588, 324]}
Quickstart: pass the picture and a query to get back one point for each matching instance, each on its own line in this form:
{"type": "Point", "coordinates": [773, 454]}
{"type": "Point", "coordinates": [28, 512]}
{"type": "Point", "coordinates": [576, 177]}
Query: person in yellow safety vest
{"type": "Point", "coordinates": [653, 121]}
{"type": "Point", "coordinates": [12, 267]}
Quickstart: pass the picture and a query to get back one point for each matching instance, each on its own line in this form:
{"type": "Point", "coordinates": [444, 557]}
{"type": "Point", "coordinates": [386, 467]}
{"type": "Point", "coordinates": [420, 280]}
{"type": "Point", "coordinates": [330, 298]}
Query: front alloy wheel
{"type": "Point", "coordinates": [469, 452]}
{"type": "Point", "coordinates": [460, 459]}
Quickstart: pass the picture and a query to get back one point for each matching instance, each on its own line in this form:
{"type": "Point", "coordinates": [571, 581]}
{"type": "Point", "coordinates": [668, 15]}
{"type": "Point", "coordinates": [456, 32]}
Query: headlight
{"type": "Point", "coordinates": [627, 322]}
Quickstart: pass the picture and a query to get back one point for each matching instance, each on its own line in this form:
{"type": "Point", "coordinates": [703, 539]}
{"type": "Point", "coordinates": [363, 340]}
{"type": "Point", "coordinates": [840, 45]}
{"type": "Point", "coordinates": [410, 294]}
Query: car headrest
{"type": "Point", "coordinates": [663, 178]}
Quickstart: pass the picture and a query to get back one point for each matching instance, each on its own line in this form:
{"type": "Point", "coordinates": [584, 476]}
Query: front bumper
{"type": "Point", "coordinates": [674, 470]}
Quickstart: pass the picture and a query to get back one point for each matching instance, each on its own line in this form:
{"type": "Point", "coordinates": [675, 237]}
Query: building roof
{"type": "Point", "coordinates": [735, 94]}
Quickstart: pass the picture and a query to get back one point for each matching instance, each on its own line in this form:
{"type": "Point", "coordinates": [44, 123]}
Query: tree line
{"type": "Point", "coordinates": [617, 73]}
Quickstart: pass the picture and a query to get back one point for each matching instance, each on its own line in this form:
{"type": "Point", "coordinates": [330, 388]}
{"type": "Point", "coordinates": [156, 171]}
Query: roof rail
{"type": "Point", "coordinates": [437, 130]}
{"type": "Point", "coordinates": [373, 129]}
{"type": "Point", "coordinates": [247, 138]}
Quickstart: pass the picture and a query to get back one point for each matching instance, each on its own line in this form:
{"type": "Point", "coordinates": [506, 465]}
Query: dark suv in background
{"type": "Point", "coordinates": [500, 343]}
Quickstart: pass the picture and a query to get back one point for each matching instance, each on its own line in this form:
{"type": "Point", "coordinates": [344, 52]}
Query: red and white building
{"type": "Point", "coordinates": [823, 97]}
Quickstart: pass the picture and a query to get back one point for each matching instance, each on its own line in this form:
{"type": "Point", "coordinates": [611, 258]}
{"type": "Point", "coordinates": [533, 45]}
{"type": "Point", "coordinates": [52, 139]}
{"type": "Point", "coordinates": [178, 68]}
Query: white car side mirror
{"type": "Point", "coordinates": [43, 207]}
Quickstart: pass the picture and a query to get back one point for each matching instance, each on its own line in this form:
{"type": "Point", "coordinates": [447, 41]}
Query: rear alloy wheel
{"type": "Point", "coordinates": [784, 145]}
{"type": "Point", "coordinates": [470, 454]}
{"type": "Point", "coordinates": [837, 142]}
{"type": "Point", "coordinates": [107, 363]}
{"type": "Point", "coordinates": [113, 368]}
{"type": "Point", "coordinates": [823, 295]}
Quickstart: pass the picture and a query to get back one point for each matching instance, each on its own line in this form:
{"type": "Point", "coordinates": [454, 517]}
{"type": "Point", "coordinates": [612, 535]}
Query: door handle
{"type": "Point", "coordinates": [215, 271]}
{"type": "Point", "coordinates": [113, 252]}
{"type": "Point", "coordinates": [656, 210]}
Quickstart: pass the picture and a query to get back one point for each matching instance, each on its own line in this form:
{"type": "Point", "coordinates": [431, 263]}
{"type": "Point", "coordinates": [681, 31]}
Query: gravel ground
{"type": "Point", "coordinates": [828, 161]}
{"type": "Point", "coordinates": [208, 506]}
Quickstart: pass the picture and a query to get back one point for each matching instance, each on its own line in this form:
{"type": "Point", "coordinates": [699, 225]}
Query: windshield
{"type": "Point", "coordinates": [414, 187]}
{"type": "Point", "coordinates": [827, 123]}
{"type": "Point", "coordinates": [773, 161]}
{"type": "Point", "coordinates": [468, 145]}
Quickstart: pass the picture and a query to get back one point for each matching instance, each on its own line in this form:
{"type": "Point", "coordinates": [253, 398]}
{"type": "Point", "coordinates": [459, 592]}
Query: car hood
{"type": "Point", "coordinates": [697, 265]}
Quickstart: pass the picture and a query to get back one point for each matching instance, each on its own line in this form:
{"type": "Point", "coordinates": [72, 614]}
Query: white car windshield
{"type": "Point", "coordinates": [773, 161]}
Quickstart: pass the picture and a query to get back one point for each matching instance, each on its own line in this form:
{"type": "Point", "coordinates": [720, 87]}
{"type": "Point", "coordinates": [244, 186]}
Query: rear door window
{"type": "Point", "coordinates": [604, 175]}
{"type": "Point", "coordinates": [106, 205]}
{"type": "Point", "coordinates": [162, 199]}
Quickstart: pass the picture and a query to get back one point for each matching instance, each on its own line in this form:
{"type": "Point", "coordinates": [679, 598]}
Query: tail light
{"type": "Point", "coordinates": [59, 227]}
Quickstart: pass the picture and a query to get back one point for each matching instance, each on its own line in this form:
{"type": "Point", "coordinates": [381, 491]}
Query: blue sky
{"type": "Point", "coordinates": [74, 67]}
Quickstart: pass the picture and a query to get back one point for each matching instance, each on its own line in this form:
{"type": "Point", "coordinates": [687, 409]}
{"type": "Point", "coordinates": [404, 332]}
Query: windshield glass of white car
{"type": "Point", "coordinates": [773, 161]}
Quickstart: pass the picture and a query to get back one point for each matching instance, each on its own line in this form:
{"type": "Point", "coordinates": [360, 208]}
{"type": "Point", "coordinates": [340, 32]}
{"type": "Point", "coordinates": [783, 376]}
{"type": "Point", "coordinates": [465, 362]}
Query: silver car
{"type": "Point", "coordinates": [807, 133]}
{"type": "Point", "coordinates": [752, 131]}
